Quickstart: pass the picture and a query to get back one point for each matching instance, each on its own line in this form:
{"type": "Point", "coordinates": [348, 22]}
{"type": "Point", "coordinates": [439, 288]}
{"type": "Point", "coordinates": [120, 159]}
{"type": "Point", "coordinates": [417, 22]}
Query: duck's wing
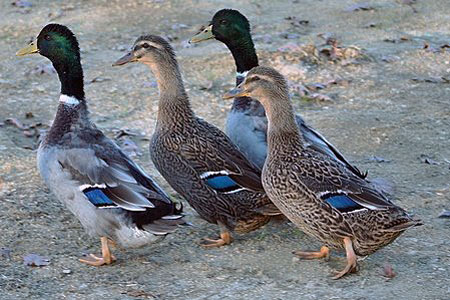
{"type": "Point", "coordinates": [338, 186]}
{"type": "Point", "coordinates": [319, 143]}
{"type": "Point", "coordinates": [220, 163]}
{"type": "Point", "coordinates": [109, 179]}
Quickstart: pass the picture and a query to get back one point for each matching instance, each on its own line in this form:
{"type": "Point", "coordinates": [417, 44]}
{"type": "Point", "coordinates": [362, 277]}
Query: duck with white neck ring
{"type": "Point", "coordinates": [319, 195]}
{"type": "Point", "coordinates": [246, 122]}
{"type": "Point", "coordinates": [197, 159]}
{"type": "Point", "coordinates": [113, 198]}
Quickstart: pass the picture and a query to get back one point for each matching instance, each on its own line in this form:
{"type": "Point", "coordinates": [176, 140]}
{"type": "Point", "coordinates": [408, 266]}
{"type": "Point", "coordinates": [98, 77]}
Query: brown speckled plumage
{"type": "Point", "coordinates": [316, 193]}
{"type": "Point", "coordinates": [188, 152]}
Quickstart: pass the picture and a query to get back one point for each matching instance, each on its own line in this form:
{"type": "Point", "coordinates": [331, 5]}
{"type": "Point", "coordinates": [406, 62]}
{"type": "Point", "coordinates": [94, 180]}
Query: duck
{"type": "Point", "coordinates": [246, 123]}
{"type": "Point", "coordinates": [111, 196]}
{"type": "Point", "coordinates": [315, 192]}
{"type": "Point", "coordinates": [196, 158]}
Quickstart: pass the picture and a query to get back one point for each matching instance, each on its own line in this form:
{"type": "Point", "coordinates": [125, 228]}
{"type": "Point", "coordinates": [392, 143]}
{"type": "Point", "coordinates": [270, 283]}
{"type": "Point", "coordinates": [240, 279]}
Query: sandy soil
{"type": "Point", "coordinates": [378, 110]}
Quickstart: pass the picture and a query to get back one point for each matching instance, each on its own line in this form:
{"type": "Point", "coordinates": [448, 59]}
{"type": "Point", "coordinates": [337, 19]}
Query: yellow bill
{"type": "Point", "coordinates": [205, 34]}
{"type": "Point", "coordinates": [30, 49]}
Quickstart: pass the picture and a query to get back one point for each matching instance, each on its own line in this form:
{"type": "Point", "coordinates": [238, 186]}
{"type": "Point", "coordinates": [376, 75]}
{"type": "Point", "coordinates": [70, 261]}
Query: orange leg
{"type": "Point", "coordinates": [225, 239]}
{"type": "Point", "coordinates": [323, 253]}
{"type": "Point", "coordinates": [351, 259]}
{"type": "Point", "coordinates": [106, 259]}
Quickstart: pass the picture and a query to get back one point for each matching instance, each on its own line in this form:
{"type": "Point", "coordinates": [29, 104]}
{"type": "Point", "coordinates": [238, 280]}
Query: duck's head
{"type": "Point", "coordinates": [148, 49]}
{"type": "Point", "coordinates": [227, 26]}
{"type": "Point", "coordinates": [56, 42]}
{"type": "Point", "coordinates": [264, 84]}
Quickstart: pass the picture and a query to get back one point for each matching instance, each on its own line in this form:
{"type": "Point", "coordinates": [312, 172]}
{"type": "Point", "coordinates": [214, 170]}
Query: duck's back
{"type": "Point", "coordinates": [192, 161]}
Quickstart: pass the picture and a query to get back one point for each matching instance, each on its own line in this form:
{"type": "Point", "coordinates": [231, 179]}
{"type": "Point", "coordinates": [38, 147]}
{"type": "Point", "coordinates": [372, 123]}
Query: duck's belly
{"type": "Point", "coordinates": [301, 209]}
{"type": "Point", "coordinates": [307, 221]}
{"type": "Point", "coordinates": [97, 222]}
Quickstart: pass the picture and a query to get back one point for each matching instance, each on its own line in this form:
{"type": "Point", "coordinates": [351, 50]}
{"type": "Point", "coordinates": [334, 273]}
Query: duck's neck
{"type": "Point", "coordinates": [245, 58]}
{"type": "Point", "coordinates": [174, 106]}
{"type": "Point", "coordinates": [72, 108]}
{"type": "Point", "coordinates": [244, 54]}
{"type": "Point", "coordinates": [282, 128]}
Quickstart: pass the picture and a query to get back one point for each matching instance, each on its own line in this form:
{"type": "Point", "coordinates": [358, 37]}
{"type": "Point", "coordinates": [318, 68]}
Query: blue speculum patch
{"type": "Point", "coordinates": [98, 198]}
{"type": "Point", "coordinates": [343, 202]}
{"type": "Point", "coordinates": [221, 183]}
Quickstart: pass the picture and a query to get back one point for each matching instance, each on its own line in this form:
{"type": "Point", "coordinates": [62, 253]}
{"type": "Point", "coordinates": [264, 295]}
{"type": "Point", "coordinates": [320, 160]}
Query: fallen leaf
{"type": "Point", "coordinates": [370, 25]}
{"type": "Point", "coordinates": [99, 79]}
{"type": "Point", "coordinates": [15, 122]}
{"type": "Point", "coordinates": [445, 214]}
{"type": "Point", "coordinates": [428, 160]}
{"type": "Point", "coordinates": [388, 271]}
{"type": "Point", "coordinates": [21, 3]}
{"type": "Point", "coordinates": [35, 260]}
{"type": "Point", "coordinates": [359, 7]}
{"type": "Point", "coordinates": [118, 133]}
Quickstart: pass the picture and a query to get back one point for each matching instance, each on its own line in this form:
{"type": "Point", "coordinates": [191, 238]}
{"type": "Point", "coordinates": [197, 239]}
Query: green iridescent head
{"type": "Point", "coordinates": [227, 26]}
{"type": "Point", "coordinates": [56, 42]}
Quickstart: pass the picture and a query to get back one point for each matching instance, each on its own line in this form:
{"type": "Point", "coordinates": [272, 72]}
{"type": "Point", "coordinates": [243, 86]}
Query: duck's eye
{"type": "Point", "coordinates": [254, 78]}
{"type": "Point", "coordinates": [224, 22]}
{"type": "Point", "coordinates": [145, 45]}
{"type": "Point", "coordinates": [47, 37]}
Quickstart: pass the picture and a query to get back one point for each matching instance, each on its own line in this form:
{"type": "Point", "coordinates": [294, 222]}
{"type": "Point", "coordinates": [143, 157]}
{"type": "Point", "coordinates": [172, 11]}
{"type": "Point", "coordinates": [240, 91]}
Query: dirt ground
{"type": "Point", "coordinates": [389, 113]}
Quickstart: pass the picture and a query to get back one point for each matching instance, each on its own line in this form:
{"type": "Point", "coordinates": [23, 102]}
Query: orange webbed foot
{"type": "Point", "coordinates": [352, 265]}
{"type": "Point", "coordinates": [106, 259]}
{"type": "Point", "coordinates": [225, 239]}
{"type": "Point", "coordinates": [323, 253]}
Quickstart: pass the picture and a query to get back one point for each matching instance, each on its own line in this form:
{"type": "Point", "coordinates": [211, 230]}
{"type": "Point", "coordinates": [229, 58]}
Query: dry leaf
{"type": "Point", "coordinates": [388, 271]}
{"type": "Point", "coordinates": [428, 160]}
{"type": "Point", "coordinates": [21, 3]}
{"type": "Point", "coordinates": [359, 7]}
{"type": "Point", "coordinates": [445, 214]}
{"type": "Point", "coordinates": [35, 260]}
